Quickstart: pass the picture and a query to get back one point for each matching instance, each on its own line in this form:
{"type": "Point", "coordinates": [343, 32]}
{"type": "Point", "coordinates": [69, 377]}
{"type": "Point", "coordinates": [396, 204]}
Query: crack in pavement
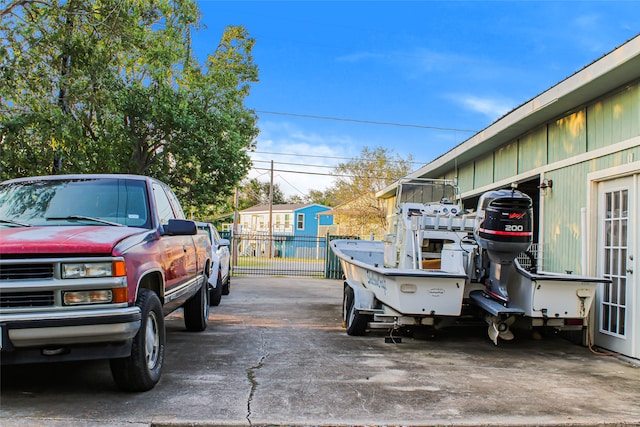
{"type": "Point", "coordinates": [251, 376]}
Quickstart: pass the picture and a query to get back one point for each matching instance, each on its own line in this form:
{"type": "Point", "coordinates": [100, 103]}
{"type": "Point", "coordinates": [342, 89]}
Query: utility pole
{"type": "Point", "coordinates": [234, 230]}
{"type": "Point", "coordinates": [271, 213]}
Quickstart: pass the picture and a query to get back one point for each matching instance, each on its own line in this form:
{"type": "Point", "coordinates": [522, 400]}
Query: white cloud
{"type": "Point", "coordinates": [360, 56]}
{"type": "Point", "coordinates": [588, 32]}
{"type": "Point", "coordinates": [586, 21]}
{"type": "Point", "coordinates": [302, 159]}
{"type": "Point", "coordinates": [493, 108]}
{"type": "Point", "coordinates": [418, 60]}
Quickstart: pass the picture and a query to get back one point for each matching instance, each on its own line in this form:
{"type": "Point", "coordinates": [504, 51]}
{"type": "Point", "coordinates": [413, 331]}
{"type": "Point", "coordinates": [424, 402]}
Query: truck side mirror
{"type": "Point", "coordinates": [180, 227]}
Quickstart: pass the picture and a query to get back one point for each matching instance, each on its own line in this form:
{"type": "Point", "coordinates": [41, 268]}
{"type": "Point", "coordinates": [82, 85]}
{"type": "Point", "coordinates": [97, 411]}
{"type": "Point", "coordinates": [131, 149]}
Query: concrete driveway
{"type": "Point", "coordinates": [275, 354]}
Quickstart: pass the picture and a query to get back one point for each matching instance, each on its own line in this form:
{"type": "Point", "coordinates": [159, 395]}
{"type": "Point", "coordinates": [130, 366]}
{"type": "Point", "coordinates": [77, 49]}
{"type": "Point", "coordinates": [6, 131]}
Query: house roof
{"type": "Point", "coordinates": [289, 207]}
{"type": "Point", "coordinates": [611, 71]}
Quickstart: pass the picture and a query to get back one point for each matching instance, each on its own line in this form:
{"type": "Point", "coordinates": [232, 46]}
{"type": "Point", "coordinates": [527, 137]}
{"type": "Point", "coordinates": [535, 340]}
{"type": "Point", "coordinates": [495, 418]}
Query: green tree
{"type": "Point", "coordinates": [325, 198]}
{"type": "Point", "coordinates": [358, 180]}
{"type": "Point", "coordinates": [112, 86]}
{"type": "Point", "coordinates": [296, 199]}
{"type": "Point", "coordinates": [251, 192]}
{"type": "Point", "coordinates": [254, 192]}
{"type": "Point", "coordinates": [370, 172]}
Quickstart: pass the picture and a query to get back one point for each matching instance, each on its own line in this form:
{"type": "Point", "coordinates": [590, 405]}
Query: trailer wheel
{"type": "Point", "coordinates": [354, 322]}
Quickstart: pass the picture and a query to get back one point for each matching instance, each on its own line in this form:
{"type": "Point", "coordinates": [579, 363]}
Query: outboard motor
{"type": "Point", "coordinates": [503, 229]}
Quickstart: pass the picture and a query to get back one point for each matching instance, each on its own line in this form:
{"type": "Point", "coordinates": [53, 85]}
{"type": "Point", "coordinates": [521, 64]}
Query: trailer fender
{"type": "Point", "coordinates": [364, 299]}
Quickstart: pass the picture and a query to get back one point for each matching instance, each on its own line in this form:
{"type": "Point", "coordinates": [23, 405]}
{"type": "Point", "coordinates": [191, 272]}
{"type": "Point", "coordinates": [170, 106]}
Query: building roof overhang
{"type": "Point", "coordinates": [610, 72]}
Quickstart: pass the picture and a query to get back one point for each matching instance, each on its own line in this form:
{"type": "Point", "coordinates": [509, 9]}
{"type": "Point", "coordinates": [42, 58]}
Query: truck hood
{"type": "Point", "coordinates": [63, 239]}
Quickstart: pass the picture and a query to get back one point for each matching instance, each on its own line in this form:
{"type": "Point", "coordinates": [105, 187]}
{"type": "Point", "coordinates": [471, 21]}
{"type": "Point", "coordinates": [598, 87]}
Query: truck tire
{"type": "Point", "coordinates": [226, 286]}
{"type": "Point", "coordinates": [141, 370]}
{"type": "Point", "coordinates": [196, 309]}
{"type": "Point", "coordinates": [355, 323]}
{"type": "Point", "coordinates": [215, 294]}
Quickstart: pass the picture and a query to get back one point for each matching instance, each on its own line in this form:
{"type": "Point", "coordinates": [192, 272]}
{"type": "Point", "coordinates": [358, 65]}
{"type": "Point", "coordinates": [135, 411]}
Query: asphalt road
{"type": "Point", "coordinates": [275, 354]}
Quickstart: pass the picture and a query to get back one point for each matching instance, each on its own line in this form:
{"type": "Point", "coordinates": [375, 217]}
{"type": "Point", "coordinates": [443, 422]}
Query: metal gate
{"type": "Point", "coordinates": [333, 268]}
{"type": "Point", "coordinates": [278, 255]}
{"type": "Point", "coordinates": [263, 255]}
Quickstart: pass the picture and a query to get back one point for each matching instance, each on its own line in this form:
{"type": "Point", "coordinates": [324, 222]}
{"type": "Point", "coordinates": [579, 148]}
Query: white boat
{"type": "Point", "coordinates": [440, 262]}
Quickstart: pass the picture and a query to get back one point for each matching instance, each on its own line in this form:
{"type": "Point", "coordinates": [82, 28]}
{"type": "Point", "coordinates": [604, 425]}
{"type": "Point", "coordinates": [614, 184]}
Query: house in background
{"type": "Point", "coordinates": [575, 150]}
{"type": "Point", "coordinates": [364, 217]}
{"type": "Point", "coordinates": [292, 231]}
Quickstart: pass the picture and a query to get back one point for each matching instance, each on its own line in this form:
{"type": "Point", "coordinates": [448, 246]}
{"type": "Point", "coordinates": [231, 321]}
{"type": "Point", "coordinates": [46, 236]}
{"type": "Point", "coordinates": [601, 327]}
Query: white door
{"type": "Point", "coordinates": [618, 303]}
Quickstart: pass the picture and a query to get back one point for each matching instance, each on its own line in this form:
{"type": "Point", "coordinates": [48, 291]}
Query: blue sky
{"type": "Point", "coordinates": [431, 71]}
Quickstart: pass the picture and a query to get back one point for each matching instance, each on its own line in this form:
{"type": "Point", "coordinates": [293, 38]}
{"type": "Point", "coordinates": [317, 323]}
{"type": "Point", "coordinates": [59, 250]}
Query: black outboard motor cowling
{"type": "Point", "coordinates": [504, 229]}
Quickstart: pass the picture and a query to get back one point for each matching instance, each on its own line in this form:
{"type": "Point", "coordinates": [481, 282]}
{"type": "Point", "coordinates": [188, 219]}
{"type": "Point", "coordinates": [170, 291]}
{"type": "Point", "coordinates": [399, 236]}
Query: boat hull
{"type": "Point", "coordinates": [552, 295]}
{"type": "Point", "coordinates": [407, 291]}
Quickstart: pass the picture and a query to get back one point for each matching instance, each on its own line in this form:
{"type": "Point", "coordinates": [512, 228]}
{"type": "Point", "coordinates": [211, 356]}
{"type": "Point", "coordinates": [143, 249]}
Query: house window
{"type": "Point", "coordinates": [300, 221]}
{"type": "Point", "coordinates": [287, 220]}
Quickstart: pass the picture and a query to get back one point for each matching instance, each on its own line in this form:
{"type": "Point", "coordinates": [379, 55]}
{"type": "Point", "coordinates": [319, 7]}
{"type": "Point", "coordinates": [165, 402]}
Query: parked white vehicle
{"type": "Point", "coordinates": [220, 274]}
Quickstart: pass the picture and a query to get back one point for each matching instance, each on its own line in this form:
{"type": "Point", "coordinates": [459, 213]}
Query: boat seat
{"type": "Point", "coordinates": [431, 264]}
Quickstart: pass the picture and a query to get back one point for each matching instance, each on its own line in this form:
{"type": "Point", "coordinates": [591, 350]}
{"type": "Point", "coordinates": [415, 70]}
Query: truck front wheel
{"type": "Point", "coordinates": [141, 370]}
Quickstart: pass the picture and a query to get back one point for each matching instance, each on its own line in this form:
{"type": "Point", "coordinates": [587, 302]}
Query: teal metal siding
{"type": "Point", "coordinates": [484, 171]}
{"type": "Point", "coordinates": [532, 150]}
{"type": "Point", "coordinates": [567, 136]}
{"type": "Point", "coordinates": [562, 234]}
{"type": "Point", "coordinates": [614, 119]}
{"type": "Point", "coordinates": [505, 161]}
{"type": "Point", "coordinates": [466, 175]}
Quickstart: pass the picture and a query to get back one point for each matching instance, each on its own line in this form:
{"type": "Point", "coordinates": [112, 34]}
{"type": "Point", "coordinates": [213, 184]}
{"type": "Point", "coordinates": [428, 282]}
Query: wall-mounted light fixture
{"type": "Point", "coordinates": [547, 183]}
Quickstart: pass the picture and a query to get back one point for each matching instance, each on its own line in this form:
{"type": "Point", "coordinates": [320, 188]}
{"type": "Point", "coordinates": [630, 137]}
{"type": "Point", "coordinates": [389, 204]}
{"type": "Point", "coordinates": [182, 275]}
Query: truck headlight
{"type": "Point", "coordinates": [87, 297]}
{"type": "Point", "coordinates": [77, 270]}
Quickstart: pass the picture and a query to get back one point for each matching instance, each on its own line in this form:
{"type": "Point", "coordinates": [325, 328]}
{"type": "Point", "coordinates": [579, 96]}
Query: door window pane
{"type": "Point", "coordinates": [613, 304]}
{"type": "Point", "coordinates": [165, 212]}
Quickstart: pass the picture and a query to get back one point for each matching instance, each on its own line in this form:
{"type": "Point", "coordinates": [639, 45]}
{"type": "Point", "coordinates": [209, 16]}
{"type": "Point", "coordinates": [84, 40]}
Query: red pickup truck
{"type": "Point", "coordinates": [89, 267]}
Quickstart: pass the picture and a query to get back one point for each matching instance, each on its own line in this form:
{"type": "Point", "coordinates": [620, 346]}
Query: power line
{"type": "Point", "coordinates": [291, 185]}
{"type": "Point", "coordinates": [302, 172]}
{"type": "Point", "coordinates": [306, 165]}
{"type": "Point", "coordinates": [304, 155]}
{"type": "Point", "coordinates": [295, 164]}
{"type": "Point", "coordinates": [325, 157]}
{"type": "Point", "coordinates": [315, 173]}
{"type": "Point", "coordinates": [369, 122]}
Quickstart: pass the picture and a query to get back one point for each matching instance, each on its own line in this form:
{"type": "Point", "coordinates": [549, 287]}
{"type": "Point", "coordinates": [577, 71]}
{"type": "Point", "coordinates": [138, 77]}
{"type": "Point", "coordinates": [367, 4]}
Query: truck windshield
{"type": "Point", "coordinates": [107, 201]}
